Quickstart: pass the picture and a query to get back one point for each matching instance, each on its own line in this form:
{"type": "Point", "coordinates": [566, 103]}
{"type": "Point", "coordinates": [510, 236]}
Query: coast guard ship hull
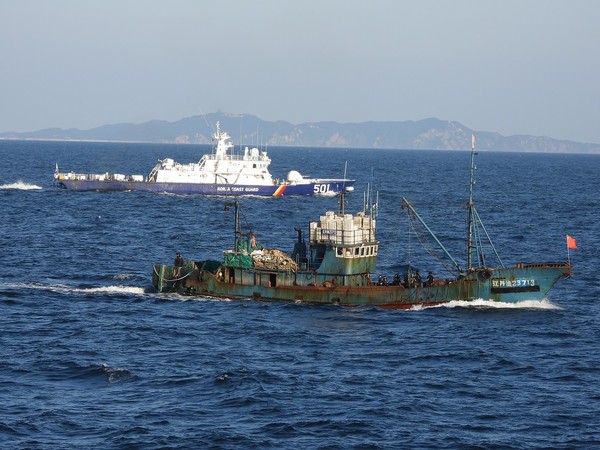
{"type": "Point", "coordinates": [320, 187]}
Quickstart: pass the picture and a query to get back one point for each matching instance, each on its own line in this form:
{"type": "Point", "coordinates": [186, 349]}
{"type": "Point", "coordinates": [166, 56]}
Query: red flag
{"type": "Point", "coordinates": [571, 242]}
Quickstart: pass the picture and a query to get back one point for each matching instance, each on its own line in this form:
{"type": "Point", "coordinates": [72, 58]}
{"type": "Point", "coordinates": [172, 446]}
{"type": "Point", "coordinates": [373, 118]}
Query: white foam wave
{"type": "Point", "coordinates": [64, 289]}
{"type": "Point", "coordinates": [480, 303]}
{"type": "Point", "coordinates": [21, 186]}
{"type": "Point", "coordinates": [187, 298]}
{"type": "Point", "coordinates": [327, 194]}
{"type": "Point", "coordinates": [111, 290]}
{"type": "Point", "coordinates": [123, 276]}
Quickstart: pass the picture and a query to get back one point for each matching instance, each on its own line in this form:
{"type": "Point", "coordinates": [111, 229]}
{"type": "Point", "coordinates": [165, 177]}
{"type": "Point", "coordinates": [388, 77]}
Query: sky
{"type": "Point", "coordinates": [512, 66]}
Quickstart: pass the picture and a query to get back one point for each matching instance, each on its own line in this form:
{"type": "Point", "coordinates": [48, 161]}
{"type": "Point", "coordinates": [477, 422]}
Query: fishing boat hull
{"type": "Point", "coordinates": [336, 264]}
{"type": "Point", "coordinates": [509, 285]}
{"type": "Point", "coordinates": [323, 187]}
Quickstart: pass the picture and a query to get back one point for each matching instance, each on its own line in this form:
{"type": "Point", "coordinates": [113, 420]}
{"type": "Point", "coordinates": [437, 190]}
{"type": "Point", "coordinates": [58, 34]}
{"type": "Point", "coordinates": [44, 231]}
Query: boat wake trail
{"type": "Point", "coordinates": [483, 304]}
{"type": "Point", "coordinates": [64, 289]}
{"type": "Point", "coordinates": [21, 186]}
{"type": "Point", "coordinates": [111, 290]}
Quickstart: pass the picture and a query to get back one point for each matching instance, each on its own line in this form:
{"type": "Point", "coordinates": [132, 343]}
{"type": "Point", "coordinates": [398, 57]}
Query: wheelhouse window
{"type": "Point", "coordinates": [354, 252]}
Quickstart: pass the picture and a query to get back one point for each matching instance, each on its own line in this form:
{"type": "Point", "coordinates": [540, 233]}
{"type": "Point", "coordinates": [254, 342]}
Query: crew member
{"type": "Point", "coordinates": [178, 260]}
{"type": "Point", "coordinates": [429, 281]}
{"type": "Point", "coordinates": [407, 279]}
{"type": "Point", "coordinates": [418, 281]}
{"type": "Point", "coordinates": [252, 244]}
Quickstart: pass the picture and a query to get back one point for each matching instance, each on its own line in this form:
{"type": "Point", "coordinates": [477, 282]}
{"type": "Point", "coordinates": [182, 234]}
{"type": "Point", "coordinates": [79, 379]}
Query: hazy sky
{"type": "Point", "coordinates": [511, 66]}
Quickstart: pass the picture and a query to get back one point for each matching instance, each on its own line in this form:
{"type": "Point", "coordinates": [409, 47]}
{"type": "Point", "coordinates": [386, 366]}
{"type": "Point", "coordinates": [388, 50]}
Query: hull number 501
{"type": "Point", "coordinates": [321, 189]}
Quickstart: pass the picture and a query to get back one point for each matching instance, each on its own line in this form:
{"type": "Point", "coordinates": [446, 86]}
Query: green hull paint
{"type": "Point", "coordinates": [336, 267]}
{"type": "Point", "coordinates": [523, 282]}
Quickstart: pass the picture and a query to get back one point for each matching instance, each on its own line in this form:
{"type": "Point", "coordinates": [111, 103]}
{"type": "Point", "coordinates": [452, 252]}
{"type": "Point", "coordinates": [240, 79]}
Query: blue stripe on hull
{"type": "Point", "coordinates": [325, 187]}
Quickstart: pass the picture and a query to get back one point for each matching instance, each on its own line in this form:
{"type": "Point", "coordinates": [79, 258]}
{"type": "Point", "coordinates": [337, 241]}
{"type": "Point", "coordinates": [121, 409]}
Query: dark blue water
{"type": "Point", "coordinates": [90, 357]}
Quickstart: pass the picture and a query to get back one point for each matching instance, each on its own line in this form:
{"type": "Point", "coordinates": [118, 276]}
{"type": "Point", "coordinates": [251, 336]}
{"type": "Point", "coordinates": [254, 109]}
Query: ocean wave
{"type": "Point", "coordinates": [123, 276]}
{"type": "Point", "coordinates": [480, 303]}
{"type": "Point", "coordinates": [65, 289]}
{"type": "Point", "coordinates": [111, 290]}
{"type": "Point", "coordinates": [102, 371]}
{"type": "Point", "coordinates": [21, 186]}
{"type": "Point", "coordinates": [174, 296]}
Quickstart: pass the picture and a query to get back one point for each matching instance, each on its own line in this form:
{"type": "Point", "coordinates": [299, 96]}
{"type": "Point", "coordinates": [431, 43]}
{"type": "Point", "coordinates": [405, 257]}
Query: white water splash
{"type": "Point", "coordinates": [111, 290]}
{"type": "Point", "coordinates": [123, 276]}
{"type": "Point", "coordinates": [192, 298]}
{"type": "Point", "coordinates": [64, 289]}
{"type": "Point", "coordinates": [480, 303]}
{"type": "Point", "coordinates": [21, 186]}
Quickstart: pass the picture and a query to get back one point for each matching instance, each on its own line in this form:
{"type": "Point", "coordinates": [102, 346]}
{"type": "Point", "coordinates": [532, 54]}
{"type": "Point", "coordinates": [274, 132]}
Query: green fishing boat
{"type": "Point", "coordinates": [337, 266]}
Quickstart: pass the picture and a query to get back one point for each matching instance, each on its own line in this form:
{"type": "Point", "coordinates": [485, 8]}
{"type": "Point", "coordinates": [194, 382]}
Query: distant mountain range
{"type": "Point", "coordinates": [246, 129]}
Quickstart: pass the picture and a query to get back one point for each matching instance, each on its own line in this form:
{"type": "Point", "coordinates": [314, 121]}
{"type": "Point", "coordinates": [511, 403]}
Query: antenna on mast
{"type": "Point", "coordinates": [471, 206]}
{"type": "Point", "coordinates": [474, 222]}
{"type": "Point", "coordinates": [238, 229]}
{"type": "Point", "coordinates": [342, 195]}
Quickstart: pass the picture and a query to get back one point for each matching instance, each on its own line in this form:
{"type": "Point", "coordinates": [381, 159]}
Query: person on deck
{"type": "Point", "coordinates": [252, 244]}
{"type": "Point", "coordinates": [429, 281]}
{"type": "Point", "coordinates": [418, 280]}
{"type": "Point", "coordinates": [178, 260]}
{"type": "Point", "coordinates": [407, 278]}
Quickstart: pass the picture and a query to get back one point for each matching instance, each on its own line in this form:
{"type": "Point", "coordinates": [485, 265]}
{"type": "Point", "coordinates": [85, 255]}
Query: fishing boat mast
{"type": "Point", "coordinates": [470, 207]}
{"type": "Point", "coordinates": [238, 229]}
{"type": "Point", "coordinates": [474, 223]}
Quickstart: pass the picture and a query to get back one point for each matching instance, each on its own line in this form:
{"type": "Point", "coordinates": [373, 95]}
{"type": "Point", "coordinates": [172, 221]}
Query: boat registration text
{"type": "Point", "coordinates": [503, 283]}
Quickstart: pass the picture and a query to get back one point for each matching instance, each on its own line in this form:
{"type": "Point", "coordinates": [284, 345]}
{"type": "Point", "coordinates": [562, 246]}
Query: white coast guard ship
{"type": "Point", "coordinates": [218, 173]}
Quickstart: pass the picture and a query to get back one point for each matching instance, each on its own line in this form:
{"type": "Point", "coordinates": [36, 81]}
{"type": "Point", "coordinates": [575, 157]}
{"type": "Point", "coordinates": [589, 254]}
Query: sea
{"type": "Point", "coordinates": [92, 357]}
